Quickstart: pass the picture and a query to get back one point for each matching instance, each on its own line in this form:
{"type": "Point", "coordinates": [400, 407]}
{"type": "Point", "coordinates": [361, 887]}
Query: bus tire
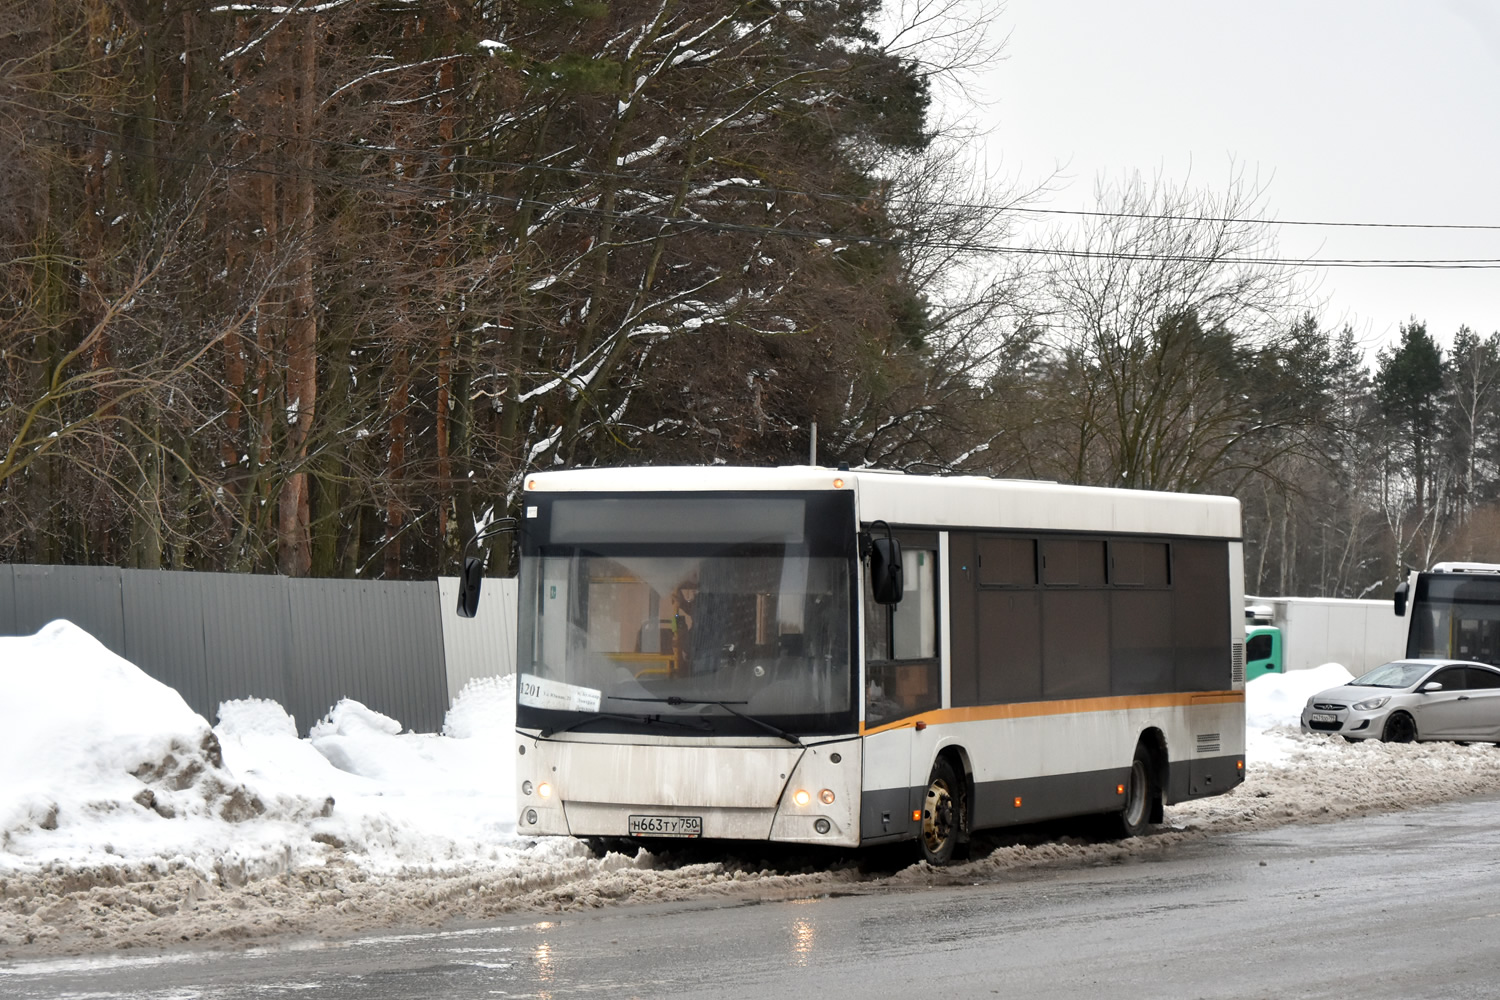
{"type": "Point", "coordinates": [945, 810]}
{"type": "Point", "coordinates": [1134, 817]}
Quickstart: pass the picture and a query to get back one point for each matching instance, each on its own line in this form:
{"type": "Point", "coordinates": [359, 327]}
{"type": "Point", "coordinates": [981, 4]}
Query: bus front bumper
{"type": "Point", "coordinates": [784, 793]}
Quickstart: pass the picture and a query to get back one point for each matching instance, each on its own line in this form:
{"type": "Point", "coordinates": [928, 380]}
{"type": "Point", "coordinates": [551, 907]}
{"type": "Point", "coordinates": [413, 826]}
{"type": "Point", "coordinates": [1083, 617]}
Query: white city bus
{"type": "Point", "coordinates": [702, 654]}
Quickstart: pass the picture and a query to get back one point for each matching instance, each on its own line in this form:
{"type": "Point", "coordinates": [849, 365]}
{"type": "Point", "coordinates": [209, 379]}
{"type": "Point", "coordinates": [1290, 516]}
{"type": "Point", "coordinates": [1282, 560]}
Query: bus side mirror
{"type": "Point", "coordinates": [472, 576]}
{"type": "Point", "coordinates": [1402, 589]}
{"type": "Point", "coordinates": [886, 575]}
{"type": "Point", "coordinates": [468, 587]}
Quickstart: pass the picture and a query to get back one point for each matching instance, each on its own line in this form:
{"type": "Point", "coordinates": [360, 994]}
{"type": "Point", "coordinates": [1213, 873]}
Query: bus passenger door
{"type": "Point", "coordinates": [903, 681]}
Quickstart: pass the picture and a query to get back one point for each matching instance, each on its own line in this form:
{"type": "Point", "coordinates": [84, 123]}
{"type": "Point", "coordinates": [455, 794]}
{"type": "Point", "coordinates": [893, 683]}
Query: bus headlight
{"type": "Point", "coordinates": [801, 797]}
{"type": "Point", "coordinates": [525, 788]}
{"type": "Point", "coordinates": [826, 797]}
{"type": "Point", "coordinates": [822, 825]}
{"type": "Point", "coordinates": [544, 790]}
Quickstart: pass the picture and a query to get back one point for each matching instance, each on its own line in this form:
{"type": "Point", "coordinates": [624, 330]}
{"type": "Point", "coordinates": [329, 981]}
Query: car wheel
{"type": "Point", "coordinates": [1134, 816]}
{"type": "Point", "coordinates": [1400, 728]}
{"type": "Point", "coordinates": [944, 814]}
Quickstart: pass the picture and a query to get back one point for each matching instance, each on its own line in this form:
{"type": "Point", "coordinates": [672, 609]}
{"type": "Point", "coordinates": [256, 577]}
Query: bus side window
{"type": "Point", "coordinates": [901, 653]}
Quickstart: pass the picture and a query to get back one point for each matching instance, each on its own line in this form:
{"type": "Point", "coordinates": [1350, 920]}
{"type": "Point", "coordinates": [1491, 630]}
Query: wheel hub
{"type": "Point", "coordinates": [937, 816]}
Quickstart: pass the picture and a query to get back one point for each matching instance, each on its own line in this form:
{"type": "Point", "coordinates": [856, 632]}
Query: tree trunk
{"type": "Point", "coordinates": [300, 385]}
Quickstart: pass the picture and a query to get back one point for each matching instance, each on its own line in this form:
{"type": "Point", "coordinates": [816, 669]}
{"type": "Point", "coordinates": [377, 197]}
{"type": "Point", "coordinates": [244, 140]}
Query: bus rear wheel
{"type": "Point", "coordinates": [1134, 816]}
{"type": "Point", "coordinates": [944, 814]}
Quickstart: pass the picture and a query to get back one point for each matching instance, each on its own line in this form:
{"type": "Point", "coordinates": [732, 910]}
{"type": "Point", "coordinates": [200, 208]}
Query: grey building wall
{"type": "Point", "coordinates": [303, 643]}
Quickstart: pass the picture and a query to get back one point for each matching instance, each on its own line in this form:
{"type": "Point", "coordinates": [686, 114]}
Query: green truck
{"type": "Point", "coordinates": [1262, 650]}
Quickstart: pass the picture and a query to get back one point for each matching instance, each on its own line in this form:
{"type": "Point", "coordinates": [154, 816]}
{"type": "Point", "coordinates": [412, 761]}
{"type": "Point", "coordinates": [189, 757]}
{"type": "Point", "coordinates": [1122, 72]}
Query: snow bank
{"type": "Point", "coordinates": [1273, 710]}
{"type": "Point", "coordinates": [107, 767]}
{"type": "Point", "coordinates": [1277, 699]}
{"type": "Point", "coordinates": [486, 706]}
{"type": "Point", "coordinates": [101, 761]}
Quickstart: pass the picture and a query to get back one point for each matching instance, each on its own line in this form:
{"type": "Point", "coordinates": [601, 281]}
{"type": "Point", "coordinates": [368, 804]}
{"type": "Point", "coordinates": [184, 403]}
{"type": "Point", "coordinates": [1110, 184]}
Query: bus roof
{"type": "Point", "coordinates": [935, 501]}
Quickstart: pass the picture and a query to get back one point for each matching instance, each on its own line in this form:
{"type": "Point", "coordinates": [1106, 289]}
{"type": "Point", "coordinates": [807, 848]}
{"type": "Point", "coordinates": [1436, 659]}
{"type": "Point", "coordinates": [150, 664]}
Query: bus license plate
{"type": "Point", "coordinates": [1318, 717]}
{"type": "Point", "coordinates": [666, 826]}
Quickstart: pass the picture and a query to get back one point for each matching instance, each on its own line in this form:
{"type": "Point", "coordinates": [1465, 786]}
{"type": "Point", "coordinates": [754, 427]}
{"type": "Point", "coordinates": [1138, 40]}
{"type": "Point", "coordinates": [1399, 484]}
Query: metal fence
{"type": "Point", "coordinates": [398, 648]}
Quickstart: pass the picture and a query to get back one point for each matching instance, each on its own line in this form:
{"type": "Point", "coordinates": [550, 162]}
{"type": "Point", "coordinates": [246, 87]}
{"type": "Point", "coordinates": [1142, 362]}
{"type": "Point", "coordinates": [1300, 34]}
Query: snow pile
{"type": "Point", "coordinates": [485, 708]}
{"type": "Point", "coordinates": [1273, 710]}
{"type": "Point", "coordinates": [1277, 699]}
{"type": "Point", "coordinates": [97, 755]}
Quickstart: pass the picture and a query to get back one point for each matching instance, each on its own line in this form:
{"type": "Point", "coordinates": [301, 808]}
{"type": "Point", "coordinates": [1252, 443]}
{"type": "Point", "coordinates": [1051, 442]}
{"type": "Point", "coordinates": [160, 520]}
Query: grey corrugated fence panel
{"type": "Point", "coordinates": [378, 643]}
{"type": "Point", "coordinates": [482, 646]}
{"type": "Point", "coordinates": [245, 624]}
{"type": "Point", "coordinates": [87, 596]}
{"type": "Point", "coordinates": [217, 636]}
{"type": "Point", "coordinates": [8, 601]}
{"type": "Point", "coordinates": [164, 632]}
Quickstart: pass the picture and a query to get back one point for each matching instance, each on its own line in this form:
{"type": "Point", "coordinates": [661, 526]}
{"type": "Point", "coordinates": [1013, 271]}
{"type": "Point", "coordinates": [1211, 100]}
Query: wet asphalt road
{"type": "Point", "coordinates": [1399, 906]}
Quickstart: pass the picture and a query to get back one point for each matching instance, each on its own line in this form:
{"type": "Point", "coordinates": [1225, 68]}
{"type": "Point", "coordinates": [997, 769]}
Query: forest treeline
{"type": "Point", "coordinates": [310, 287]}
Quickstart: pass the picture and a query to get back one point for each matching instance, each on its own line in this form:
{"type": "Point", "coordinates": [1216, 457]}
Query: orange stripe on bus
{"type": "Point", "coordinates": [1071, 706]}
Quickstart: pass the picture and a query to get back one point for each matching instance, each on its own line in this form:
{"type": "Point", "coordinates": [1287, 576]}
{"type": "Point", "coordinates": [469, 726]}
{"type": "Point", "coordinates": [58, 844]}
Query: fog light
{"type": "Point", "coordinates": [826, 797]}
{"type": "Point", "coordinates": [544, 790]}
{"type": "Point", "coordinates": [822, 826]}
{"type": "Point", "coordinates": [525, 788]}
{"type": "Point", "coordinates": [801, 797]}
{"type": "Point", "coordinates": [531, 816]}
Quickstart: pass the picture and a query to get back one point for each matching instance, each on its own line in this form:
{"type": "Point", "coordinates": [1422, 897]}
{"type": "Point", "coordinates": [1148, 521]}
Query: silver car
{"type": "Point", "coordinates": [1409, 700]}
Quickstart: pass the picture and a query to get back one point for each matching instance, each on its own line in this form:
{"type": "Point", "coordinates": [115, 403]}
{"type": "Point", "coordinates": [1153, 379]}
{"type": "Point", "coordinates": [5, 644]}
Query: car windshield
{"type": "Point", "coordinates": [1393, 675]}
{"type": "Point", "coordinates": [722, 613]}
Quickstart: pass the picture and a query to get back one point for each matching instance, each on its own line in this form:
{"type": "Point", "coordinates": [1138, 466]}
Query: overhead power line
{"type": "Point", "coordinates": [639, 177]}
{"type": "Point", "coordinates": [415, 191]}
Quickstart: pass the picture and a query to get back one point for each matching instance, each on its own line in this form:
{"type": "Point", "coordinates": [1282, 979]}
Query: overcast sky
{"type": "Point", "coordinates": [1346, 110]}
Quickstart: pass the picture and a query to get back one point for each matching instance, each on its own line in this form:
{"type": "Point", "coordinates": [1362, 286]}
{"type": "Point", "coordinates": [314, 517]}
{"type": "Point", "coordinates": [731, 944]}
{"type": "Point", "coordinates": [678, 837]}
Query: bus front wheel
{"type": "Point", "coordinates": [944, 814]}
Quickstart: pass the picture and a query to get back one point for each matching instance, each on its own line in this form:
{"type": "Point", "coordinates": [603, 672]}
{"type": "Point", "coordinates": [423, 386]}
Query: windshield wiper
{"type": "Point", "coordinates": [727, 706]}
{"type": "Point", "coordinates": [643, 719]}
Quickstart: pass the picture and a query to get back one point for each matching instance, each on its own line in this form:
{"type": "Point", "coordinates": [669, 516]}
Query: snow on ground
{"type": "Point", "coordinates": [126, 821]}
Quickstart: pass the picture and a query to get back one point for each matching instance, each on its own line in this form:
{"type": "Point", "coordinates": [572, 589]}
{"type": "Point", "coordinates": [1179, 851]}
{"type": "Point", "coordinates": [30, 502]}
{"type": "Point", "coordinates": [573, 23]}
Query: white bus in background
{"type": "Point", "coordinates": [846, 658]}
{"type": "Point", "coordinates": [1455, 612]}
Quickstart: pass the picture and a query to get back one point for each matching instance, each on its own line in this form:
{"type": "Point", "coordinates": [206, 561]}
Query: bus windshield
{"type": "Point", "coordinates": [1456, 617]}
{"type": "Point", "coordinates": [697, 613]}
